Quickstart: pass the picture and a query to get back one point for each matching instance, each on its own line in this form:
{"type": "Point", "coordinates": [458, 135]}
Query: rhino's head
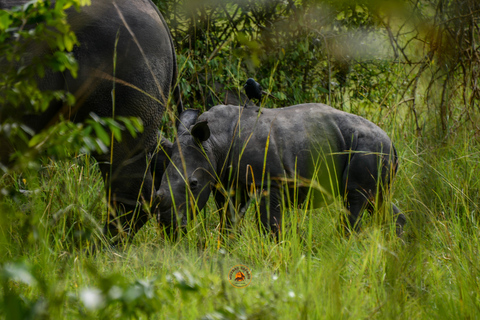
{"type": "Point", "coordinates": [186, 183]}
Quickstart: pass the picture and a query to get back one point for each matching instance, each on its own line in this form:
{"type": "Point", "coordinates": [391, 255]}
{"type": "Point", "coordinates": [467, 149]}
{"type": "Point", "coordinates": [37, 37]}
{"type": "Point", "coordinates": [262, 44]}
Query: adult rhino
{"type": "Point", "coordinates": [136, 34]}
{"type": "Point", "coordinates": [307, 148]}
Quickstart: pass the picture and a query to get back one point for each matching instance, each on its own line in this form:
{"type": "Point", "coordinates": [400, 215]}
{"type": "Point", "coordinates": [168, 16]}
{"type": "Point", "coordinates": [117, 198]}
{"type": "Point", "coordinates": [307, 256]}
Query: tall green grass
{"type": "Point", "coordinates": [313, 272]}
{"type": "Point", "coordinates": [49, 218]}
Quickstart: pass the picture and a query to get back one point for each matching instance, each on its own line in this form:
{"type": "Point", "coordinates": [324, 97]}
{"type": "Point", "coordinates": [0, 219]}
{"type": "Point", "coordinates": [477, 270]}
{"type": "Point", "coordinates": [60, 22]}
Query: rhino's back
{"type": "Point", "coordinates": [320, 123]}
{"type": "Point", "coordinates": [299, 139]}
{"type": "Point", "coordinates": [303, 139]}
{"type": "Point", "coordinates": [295, 125]}
{"type": "Point", "coordinates": [123, 45]}
{"type": "Point", "coordinates": [127, 39]}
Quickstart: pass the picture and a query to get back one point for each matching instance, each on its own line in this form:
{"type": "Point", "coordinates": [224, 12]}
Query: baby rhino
{"type": "Point", "coordinates": [277, 156]}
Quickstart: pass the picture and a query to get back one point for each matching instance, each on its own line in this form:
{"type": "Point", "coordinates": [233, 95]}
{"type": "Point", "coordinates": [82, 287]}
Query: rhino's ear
{"type": "Point", "coordinates": [186, 119]}
{"type": "Point", "coordinates": [200, 131]}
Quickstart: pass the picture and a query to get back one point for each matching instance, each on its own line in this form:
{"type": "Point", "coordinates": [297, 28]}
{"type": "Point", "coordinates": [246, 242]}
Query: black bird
{"type": "Point", "coordinates": [253, 89]}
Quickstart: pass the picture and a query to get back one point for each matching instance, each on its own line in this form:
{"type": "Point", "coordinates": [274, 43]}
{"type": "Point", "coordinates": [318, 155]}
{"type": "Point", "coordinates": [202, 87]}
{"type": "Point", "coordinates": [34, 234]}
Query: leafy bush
{"type": "Point", "coordinates": [343, 53]}
{"type": "Point", "coordinates": [21, 28]}
{"type": "Point", "coordinates": [36, 37]}
{"type": "Point", "coordinates": [314, 272]}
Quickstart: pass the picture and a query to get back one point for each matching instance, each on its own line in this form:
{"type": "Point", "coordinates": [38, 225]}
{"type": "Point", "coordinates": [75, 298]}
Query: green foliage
{"type": "Point", "coordinates": [35, 41]}
{"type": "Point", "coordinates": [35, 23]}
{"type": "Point", "coordinates": [349, 54]}
{"type": "Point", "coordinates": [300, 51]}
{"type": "Point", "coordinates": [313, 271]}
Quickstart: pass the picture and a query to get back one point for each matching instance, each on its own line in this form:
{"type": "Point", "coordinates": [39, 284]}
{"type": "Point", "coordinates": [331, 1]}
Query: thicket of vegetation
{"type": "Point", "coordinates": [409, 66]}
{"type": "Point", "coordinates": [377, 53]}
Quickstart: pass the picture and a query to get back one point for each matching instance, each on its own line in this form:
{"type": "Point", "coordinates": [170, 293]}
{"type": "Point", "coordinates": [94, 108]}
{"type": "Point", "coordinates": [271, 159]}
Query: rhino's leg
{"type": "Point", "coordinates": [129, 188]}
{"type": "Point", "coordinates": [271, 212]}
{"type": "Point", "coordinates": [220, 201]}
{"type": "Point", "coordinates": [400, 220]}
{"type": "Point", "coordinates": [360, 185]}
{"type": "Point", "coordinates": [160, 160]}
{"type": "Point", "coordinates": [231, 210]}
{"type": "Point", "coordinates": [356, 203]}
{"type": "Point", "coordinates": [361, 179]}
{"type": "Point", "coordinates": [168, 223]}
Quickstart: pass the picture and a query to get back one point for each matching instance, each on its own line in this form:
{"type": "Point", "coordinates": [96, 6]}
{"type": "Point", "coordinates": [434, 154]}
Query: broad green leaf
{"type": "Point", "coordinates": [67, 39]}
{"type": "Point", "coordinates": [101, 133]}
{"type": "Point", "coordinates": [5, 20]}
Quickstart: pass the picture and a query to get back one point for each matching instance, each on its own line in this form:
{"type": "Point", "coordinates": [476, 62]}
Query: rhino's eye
{"type": "Point", "coordinates": [193, 183]}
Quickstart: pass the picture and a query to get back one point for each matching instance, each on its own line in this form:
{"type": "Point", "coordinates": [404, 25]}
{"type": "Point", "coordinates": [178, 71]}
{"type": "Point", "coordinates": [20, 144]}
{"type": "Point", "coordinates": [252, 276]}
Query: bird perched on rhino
{"type": "Point", "coordinates": [254, 90]}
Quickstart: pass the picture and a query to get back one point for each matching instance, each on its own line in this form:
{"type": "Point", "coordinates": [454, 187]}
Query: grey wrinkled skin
{"type": "Point", "coordinates": [223, 151]}
{"type": "Point", "coordinates": [145, 73]}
